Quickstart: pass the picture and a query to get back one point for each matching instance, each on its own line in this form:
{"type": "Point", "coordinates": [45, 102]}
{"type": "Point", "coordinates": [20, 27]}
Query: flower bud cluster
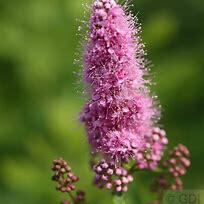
{"type": "Point", "coordinates": [112, 177]}
{"type": "Point", "coordinates": [149, 156]}
{"type": "Point", "coordinates": [160, 182]}
{"type": "Point", "coordinates": [65, 179]}
{"type": "Point", "coordinates": [178, 161]}
{"type": "Point", "coordinates": [80, 196]}
{"type": "Point", "coordinates": [177, 185]}
{"type": "Point", "coordinates": [63, 176]}
{"type": "Point", "coordinates": [177, 164]}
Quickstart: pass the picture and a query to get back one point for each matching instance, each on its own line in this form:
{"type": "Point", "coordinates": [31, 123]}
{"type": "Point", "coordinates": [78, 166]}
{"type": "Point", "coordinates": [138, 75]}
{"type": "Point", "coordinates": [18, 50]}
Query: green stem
{"type": "Point", "coordinates": [72, 197]}
{"type": "Point", "coordinates": [118, 198]}
{"type": "Point", "coordinates": [132, 169]}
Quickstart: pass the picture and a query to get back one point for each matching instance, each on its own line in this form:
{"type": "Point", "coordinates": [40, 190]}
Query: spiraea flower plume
{"type": "Point", "coordinates": [120, 113]}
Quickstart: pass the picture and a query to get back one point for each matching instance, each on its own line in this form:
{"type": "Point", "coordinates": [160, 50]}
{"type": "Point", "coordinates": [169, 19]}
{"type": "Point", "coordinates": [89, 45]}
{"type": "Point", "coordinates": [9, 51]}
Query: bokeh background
{"type": "Point", "coordinates": [39, 103]}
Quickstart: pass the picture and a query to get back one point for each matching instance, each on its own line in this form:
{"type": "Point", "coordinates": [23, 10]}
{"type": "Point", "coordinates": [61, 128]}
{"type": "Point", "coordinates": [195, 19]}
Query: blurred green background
{"type": "Point", "coordinates": [39, 103]}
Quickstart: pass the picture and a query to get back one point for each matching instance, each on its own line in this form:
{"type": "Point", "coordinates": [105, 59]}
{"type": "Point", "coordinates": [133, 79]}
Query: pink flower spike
{"type": "Point", "coordinates": [120, 112]}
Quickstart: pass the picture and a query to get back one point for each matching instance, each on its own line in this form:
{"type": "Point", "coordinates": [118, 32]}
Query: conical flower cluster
{"type": "Point", "coordinates": [120, 112]}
